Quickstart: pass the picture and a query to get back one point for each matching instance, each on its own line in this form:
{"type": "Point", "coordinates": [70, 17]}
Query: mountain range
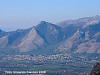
{"type": "Point", "coordinates": [70, 36]}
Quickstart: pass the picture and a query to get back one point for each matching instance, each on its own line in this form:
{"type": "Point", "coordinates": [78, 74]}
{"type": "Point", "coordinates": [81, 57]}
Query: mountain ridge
{"type": "Point", "coordinates": [78, 36]}
{"type": "Point", "coordinates": [78, 22]}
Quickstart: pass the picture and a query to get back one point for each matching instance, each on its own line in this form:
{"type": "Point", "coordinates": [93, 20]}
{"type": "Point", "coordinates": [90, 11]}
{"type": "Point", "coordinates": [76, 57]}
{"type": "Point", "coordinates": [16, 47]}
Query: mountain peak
{"type": "Point", "coordinates": [44, 22]}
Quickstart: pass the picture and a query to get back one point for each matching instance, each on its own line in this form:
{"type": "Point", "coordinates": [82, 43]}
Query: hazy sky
{"type": "Point", "coordinates": [18, 14]}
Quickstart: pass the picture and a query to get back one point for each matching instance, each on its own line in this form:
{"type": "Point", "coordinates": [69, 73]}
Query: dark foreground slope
{"type": "Point", "coordinates": [96, 69]}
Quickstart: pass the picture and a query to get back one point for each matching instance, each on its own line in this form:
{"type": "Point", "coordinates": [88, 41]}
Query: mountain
{"type": "Point", "coordinates": [44, 34]}
{"type": "Point", "coordinates": [86, 39]}
{"type": "Point", "coordinates": [2, 33]}
{"type": "Point", "coordinates": [51, 33]}
{"type": "Point", "coordinates": [78, 22]}
{"type": "Point", "coordinates": [72, 36]}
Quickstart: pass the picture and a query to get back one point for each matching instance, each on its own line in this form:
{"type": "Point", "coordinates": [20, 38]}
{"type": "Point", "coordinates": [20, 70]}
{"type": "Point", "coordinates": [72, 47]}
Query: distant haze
{"type": "Point", "coordinates": [19, 14]}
